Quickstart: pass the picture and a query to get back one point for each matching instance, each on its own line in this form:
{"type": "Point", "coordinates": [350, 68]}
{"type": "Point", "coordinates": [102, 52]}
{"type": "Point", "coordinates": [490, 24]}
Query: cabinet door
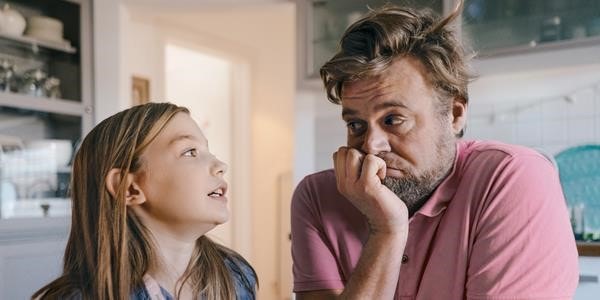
{"type": "Point", "coordinates": [511, 26]}
{"type": "Point", "coordinates": [24, 268]}
{"type": "Point", "coordinates": [589, 278]}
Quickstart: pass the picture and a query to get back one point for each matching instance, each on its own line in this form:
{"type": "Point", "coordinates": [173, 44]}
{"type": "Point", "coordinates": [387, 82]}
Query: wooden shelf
{"type": "Point", "coordinates": [588, 248]}
{"type": "Point", "coordinates": [35, 44]}
{"type": "Point", "coordinates": [42, 104]}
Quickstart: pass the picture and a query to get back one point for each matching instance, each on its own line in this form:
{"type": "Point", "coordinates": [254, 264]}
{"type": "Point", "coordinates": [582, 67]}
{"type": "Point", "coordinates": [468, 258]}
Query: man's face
{"type": "Point", "coordinates": [398, 117]}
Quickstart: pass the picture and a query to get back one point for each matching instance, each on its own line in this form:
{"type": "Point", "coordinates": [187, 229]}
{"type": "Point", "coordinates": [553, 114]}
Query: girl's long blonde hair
{"type": "Point", "coordinates": [109, 249]}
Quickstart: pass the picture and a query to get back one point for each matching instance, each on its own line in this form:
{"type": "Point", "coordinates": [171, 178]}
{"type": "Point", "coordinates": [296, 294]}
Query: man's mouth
{"type": "Point", "coordinates": [395, 172]}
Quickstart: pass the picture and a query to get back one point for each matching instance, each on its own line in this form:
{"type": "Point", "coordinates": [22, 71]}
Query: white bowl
{"type": "Point", "coordinates": [45, 22]}
{"type": "Point", "coordinates": [45, 28]}
{"type": "Point", "coordinates": [63, 149]}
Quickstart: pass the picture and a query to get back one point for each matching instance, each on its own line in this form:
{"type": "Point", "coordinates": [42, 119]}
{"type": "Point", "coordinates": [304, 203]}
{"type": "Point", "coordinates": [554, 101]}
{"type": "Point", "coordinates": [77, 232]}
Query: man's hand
{"type": "Point", "coordinates": [359, 179]}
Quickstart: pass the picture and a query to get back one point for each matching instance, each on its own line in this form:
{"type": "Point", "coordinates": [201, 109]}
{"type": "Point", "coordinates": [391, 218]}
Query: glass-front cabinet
{"type": "Point", "coordinates": [490, 27]}
{"type": "Point", "coordinates": [45, 102]}
{"type": "Point", "coordinates": [496, 27]}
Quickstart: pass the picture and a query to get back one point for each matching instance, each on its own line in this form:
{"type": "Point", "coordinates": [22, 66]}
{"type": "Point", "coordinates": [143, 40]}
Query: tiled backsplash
{"type": "Point", "coordinates": [550, 124]}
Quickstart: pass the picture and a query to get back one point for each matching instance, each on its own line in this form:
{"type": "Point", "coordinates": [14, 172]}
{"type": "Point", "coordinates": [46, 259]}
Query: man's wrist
{"type": "Point", "coordinates": [392, 234]}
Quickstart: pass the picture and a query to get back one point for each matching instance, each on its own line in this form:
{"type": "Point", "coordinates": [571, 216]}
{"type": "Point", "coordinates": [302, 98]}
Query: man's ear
{"type": "Point", "coordinates": [459, 116]}
{"type": "Point", "coordinates": [133, 193]}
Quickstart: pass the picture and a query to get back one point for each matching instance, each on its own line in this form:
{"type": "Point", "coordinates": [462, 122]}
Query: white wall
{"type": "Point", "coordinates": [144, 47]}
{"type": "Point", "coordinates": [327, 130]}
{"type": "Point", "coordinates": [304, 133]}
{"type": "Point", "coordinates": [111, 85]}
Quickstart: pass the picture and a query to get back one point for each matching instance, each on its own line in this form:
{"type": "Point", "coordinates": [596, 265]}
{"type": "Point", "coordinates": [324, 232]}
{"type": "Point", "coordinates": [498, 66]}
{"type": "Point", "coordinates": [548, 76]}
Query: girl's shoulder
{"type": "Point", "coordinates": [243, 275]}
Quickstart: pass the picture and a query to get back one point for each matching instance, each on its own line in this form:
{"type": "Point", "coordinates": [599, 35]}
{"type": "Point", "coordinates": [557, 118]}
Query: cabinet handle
{"type": "Point", "coordinates": [588, 278]}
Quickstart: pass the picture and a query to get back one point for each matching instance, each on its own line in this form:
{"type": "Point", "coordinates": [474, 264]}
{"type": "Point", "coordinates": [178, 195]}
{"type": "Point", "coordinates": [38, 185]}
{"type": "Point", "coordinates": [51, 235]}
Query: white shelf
{"type": "Point", "coordinates": [42, 104]}
{"type": "Point", "coordinates": [34, 44]}
{"type": "Point", "coordinates": [32, 208]}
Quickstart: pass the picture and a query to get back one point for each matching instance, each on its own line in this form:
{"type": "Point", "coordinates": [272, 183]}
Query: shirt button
{"type": "Point", "coordinates": [404, 259]}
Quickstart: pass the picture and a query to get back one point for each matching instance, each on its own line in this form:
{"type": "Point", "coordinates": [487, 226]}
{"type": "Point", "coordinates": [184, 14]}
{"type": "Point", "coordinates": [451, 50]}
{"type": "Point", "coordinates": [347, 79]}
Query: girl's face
{"type": "Point", "coordinates": [181, 180]}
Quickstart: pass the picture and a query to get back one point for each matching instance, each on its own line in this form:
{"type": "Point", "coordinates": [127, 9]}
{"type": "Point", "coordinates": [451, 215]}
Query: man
{"type": "Point", "coordinates": [410, 211]}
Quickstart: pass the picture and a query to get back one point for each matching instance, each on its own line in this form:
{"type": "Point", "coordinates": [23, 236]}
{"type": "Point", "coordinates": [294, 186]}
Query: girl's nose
{"type": "Point", "coordinates": [219, 168]}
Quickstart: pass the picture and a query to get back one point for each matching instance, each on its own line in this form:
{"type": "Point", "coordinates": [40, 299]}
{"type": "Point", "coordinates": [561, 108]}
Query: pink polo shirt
{"type": "Point", "coordinates": [496, 228]}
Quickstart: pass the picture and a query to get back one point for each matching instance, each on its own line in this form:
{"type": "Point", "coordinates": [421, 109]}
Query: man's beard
{"type": "Point", "coordinates": [415, 190]}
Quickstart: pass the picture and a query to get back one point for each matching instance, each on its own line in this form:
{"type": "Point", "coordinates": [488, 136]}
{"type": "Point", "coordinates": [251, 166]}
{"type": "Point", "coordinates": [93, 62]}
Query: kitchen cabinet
{"type": "Point", "coordinates": [46, 107]}
{"type": "Point", "coordinates": [502, 27]}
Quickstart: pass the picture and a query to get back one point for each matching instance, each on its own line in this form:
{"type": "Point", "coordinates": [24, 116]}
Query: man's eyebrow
{"type": "Point", "coordinates": [387, 104]}
{"type": "Point", "coordinates": [390, 103]}
{"type": "Point", "coordinates": [348, 112]}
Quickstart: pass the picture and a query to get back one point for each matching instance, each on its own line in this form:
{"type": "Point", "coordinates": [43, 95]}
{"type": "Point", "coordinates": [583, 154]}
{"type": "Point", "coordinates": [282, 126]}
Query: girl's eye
{"type": "Point", "coordinates": [393, 120]}
{"type": "Point", "coordinates": [191, 153]}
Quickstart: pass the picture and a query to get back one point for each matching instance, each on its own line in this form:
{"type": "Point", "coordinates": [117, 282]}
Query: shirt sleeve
{"type": "Point", "coordinates": [314, 264]}
{"type": "Point", "coordinates": [523, 246]}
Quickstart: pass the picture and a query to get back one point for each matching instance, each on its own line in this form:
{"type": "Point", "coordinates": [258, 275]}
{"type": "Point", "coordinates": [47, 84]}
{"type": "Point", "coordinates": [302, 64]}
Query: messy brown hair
{"type": "Point", "coordinates": [370, 46]}
{"type": "Point", "coordinates": [109, 249]}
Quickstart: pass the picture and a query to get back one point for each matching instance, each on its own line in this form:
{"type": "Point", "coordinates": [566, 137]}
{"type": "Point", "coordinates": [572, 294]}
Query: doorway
{"type": "Point", "coordinates": [215, 88]}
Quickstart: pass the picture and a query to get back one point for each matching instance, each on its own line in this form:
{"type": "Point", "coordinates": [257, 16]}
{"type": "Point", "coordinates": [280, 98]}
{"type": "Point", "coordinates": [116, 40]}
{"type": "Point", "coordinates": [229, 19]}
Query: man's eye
{"type": "Point", "coordinates": [354, 127]}
{"type": "Point", "coordinates": [191, 153]}
{"type": "Point", "coordinates": [393, 120]}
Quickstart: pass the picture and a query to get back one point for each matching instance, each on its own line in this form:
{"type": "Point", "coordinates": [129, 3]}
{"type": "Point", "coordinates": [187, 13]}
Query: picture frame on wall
{"type": "Point", "coordinates": [140, 90]}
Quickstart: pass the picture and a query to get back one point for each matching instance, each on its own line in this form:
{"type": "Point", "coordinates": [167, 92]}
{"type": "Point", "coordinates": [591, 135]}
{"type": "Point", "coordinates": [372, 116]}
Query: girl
{"type": "Point", "coordinates": [145, 191]}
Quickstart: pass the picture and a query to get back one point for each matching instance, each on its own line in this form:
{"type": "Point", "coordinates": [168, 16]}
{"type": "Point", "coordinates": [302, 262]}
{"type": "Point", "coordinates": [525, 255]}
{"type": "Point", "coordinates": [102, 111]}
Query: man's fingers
{"type": "Point", "coordinates": [373, 166]}
{"type": "Point", "coordinates": [353, 165]}
{"type": "Point", "coordinates": [339, 165]}
{"type": "Point", "coordinates": [382, 171]}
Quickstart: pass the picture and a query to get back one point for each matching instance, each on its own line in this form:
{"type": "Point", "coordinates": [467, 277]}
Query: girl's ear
{"type": "Point", "coordinates": [133, 193]}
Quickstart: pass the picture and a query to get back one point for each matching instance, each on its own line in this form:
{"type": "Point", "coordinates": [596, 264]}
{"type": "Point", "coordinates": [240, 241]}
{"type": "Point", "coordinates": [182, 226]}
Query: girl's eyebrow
{"type": "Point", "coordinates": [181, 137]}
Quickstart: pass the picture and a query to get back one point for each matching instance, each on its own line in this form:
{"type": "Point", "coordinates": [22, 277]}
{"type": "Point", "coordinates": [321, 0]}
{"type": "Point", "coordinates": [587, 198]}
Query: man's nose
{"type": "Point", "coordinates": [376, 141]}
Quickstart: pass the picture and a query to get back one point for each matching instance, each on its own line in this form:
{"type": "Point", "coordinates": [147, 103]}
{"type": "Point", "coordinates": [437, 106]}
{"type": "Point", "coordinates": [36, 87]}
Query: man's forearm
{"type": "Point", "coordinates": [376, 273]}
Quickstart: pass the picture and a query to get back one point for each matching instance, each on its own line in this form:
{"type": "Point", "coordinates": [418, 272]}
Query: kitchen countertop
{"type": "Point", "coordinates": [588, 248]}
